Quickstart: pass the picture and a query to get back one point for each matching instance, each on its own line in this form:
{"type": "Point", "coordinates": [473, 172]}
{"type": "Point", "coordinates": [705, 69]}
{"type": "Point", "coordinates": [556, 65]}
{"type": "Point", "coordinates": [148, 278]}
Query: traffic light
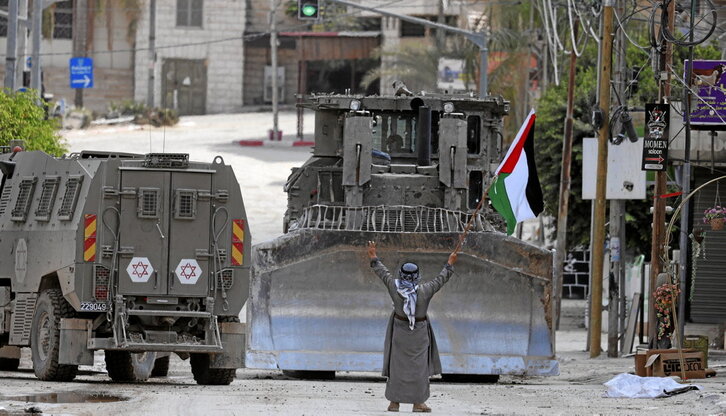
{"type": "Point", "coordinates": [308, 9]}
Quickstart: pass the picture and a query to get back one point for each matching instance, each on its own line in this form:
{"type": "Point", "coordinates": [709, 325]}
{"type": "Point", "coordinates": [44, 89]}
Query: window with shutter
{"type": "Point", "coordinates": [185, 204]}
{"type": "Point", "coordinates": [70, 197]}
{"type": "Point", "coordinates": [22, 202]}
{"type": "Point", "coordinates": [148, 203]}
{"type": "Point", "coordinates": [47, 197]}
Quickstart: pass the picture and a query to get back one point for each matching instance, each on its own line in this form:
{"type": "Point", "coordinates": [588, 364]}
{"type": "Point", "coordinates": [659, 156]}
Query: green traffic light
{"type": "Point", "coordinates": [309, 10]}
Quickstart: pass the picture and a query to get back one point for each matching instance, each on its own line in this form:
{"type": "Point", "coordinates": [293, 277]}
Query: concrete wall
{"type": "Point", "coordinates": [222, 19]}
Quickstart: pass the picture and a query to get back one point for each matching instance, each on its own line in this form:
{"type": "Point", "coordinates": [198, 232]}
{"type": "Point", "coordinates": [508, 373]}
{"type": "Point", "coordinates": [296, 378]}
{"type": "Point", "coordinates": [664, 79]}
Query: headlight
{"type": "Point", "coordinates": [448, 107]}
{"type": "Point", "coordinates": [355, 105]}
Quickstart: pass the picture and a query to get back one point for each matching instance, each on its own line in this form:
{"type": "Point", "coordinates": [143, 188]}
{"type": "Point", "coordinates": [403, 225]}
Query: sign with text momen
{"type": "Point", "coordinates": [81, 71]}
{"type": "Point", "coordinates": [708, 104]}
{"type": "Point", "coordinates": [655, 145]}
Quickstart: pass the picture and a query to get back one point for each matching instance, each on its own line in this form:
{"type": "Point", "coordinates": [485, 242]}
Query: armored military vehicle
{"type": "Point", "coordinates": [406, 171]}
{"type": "Point", "coordinates": [137, 255]}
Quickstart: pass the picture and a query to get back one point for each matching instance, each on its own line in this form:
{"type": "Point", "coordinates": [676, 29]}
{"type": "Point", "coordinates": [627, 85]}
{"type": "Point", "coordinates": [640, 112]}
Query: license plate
{"type": "Point", "coordinates": [93, 307]}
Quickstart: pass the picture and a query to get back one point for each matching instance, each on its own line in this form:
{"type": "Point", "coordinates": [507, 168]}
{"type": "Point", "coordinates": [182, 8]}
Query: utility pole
{"type": "Point", "coordinates": [22, 41]}
{"type": "Point", "coordinates": [273, 63]}
{"type": "Point", "coordinates": [686, 189]}
{"type": "Point", "coordinates": [441, 19]}
{"type": "Point", "coordinates": [616, 286]}
{"type": "Point", "coordinates": [11, 51]}
{"type": "Point", "coordinates": [658, 236]}
{"type": "Point", "coordinates": [598, 244]}
{"type": "Point", "coordinates": [565, 181]}
{"type": "Point", "coordinates": [152, 54]}
{"type": "Point", "coordinates": [80, 39]}
{"type": "Point", "coordinates": [37, 16]}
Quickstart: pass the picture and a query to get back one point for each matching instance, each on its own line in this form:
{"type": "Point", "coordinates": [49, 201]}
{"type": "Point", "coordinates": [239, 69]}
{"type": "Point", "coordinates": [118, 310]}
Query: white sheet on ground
{"type": "Point", "coordinates": [636, 387]}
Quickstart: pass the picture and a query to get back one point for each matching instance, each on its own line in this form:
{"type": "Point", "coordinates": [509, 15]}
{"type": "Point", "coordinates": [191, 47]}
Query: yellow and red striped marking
{"type": "Point", "coordinates": [89, 237]}
{"type": "Point", "coordinates": [238, 242]}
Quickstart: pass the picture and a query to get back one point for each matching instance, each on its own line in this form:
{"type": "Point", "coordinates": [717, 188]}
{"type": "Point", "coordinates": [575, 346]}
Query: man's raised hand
{"type": "Point", "coordinates": [372, 250]}
{"type": "Point", "coordinates": [452, 258]}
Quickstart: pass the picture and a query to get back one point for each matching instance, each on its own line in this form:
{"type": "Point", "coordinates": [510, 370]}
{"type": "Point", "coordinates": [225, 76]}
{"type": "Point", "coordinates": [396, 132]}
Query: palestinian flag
{"type": "Point", "coordinates": [516, 193]}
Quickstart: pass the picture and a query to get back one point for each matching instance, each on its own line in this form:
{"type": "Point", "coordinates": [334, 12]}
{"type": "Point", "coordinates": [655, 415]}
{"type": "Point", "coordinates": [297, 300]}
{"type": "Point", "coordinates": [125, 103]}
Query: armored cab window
{"type": "Point", "coordinates": [330, 187]}
{"type": "Point", "coordinates": [48, 192]}
{"type": "Point", "coordinates": [473, 135]}
{"type": "Point", "coordinates": [476, 181]}
{"type": "Point", "coordinates": [70, 197]}
{"type": "Point", "coordinates": [22, 203]}
{"type": "Point", "coordinates": [395, 133]}
{"type": "Point", "coordinates": [148, 203]}
{"type": "Point", "coordinates": [435, 118]}
{"type": "Point", "coordinates": [185, 204]}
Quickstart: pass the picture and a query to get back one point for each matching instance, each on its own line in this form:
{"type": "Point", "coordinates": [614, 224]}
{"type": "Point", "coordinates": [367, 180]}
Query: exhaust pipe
{"type": "Point", "coordinates": [423, 136]}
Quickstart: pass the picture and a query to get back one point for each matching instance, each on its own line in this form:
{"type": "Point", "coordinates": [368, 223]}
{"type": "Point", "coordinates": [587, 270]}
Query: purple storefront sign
{"type": "Point", "coordinates": [709, 82]}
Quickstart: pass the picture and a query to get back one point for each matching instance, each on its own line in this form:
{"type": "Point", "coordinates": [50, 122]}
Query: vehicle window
{"type": "Point", "coordinates": [4, 194]}
{"type": "Point", "coordinates": [395, 133]}
{"type": "Point", "coordinates": [23, 200]}
{"type": "Point", "coordinates": [48, 192]}
{"type": "Point", "coordinates": [435, 118]}
{"type": "Point", "coordinates": [476, 182]}
{"type": "Point", "coordinates": [70, 196]}
{"type": "Point", "coordinates": [473, 135]}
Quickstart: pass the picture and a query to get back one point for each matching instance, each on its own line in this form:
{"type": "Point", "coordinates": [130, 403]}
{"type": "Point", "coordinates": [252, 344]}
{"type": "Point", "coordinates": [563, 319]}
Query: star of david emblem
{"type": "Point", "coordinates": [140, 269]}
{"type": "Point", "coordinates": [188, 271]}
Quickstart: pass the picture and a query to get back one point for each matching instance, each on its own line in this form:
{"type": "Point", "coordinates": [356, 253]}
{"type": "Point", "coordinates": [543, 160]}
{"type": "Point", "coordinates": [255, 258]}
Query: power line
{"type": "Point", "coordinates": [247, 37]}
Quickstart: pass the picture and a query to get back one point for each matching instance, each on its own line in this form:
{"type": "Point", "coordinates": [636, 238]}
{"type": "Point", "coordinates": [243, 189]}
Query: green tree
{"type": "Point", "coordinates": [22, 118]}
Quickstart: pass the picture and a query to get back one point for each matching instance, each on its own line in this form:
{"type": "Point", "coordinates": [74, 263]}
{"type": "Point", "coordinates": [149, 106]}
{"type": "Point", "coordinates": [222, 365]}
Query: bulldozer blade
{"type": "Point", "coordinates": [315, 304]}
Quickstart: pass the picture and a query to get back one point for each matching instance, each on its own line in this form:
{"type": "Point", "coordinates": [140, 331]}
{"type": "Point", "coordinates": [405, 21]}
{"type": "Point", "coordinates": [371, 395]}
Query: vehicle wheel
{"type": "Point", "coordinates": [470, 378]}
{"type": "Point", "coordinates": [9, 364]}
{"type": "Point", "coordinates": [127, 367]}
{"type": "Point", "coordinates": [161, 367]}
{"type": "Point", "coordinates": [310, 375]}
{"type": "Point", "coordinates": [205, 375]}
{"type": "Point", "coordinates": [45, 337]}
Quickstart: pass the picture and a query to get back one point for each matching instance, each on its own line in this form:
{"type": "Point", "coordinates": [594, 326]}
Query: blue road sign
{"type": "Point", "coordinates": [81, 70]}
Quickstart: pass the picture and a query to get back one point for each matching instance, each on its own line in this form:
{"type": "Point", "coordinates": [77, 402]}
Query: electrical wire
{"type": "Point", "coordinates": [572, 30]}
{"type": "Point", "coordinates": [670, 37]}
{"type": "Point", "coordinates": [625, 33]}
{"type": "Point", "coordinates": [244, 37]}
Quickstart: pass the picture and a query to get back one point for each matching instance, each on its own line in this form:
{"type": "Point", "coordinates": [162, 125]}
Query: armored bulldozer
{"type": "Point", "coordinates": [406, 171]}
{"type": "Point", "coordinates": [137, 255]}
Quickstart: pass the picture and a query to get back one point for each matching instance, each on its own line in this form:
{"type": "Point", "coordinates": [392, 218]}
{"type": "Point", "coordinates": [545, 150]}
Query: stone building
{"type": "Point", "coordinates": [109, 44]}
{"type": "Point", "coordinates": [199, 55]}
{"type": "Point", "coordinates": [312, 56]}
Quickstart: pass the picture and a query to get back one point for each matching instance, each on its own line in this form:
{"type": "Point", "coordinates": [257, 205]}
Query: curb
{"type": "Point", "coordinates": [258, 143]}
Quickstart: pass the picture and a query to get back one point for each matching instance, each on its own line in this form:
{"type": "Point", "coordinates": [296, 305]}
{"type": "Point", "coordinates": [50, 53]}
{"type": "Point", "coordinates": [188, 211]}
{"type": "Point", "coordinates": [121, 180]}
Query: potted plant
{"type": "Point", "coordinates": [715, 216]}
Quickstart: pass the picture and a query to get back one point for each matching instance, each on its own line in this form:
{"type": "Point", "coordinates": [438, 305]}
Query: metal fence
{"type": "Point", "coordinates": [388, 219]}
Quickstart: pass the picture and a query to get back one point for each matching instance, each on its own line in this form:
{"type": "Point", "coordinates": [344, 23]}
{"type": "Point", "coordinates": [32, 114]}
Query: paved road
{"type": "Point", "coordinates": [262, 173]}
{"type": "Point", "coordinates": [577, 391]}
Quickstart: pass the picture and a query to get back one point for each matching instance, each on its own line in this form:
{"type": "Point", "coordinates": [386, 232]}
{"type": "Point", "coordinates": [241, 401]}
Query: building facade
{"type": "Point", "coordinates": [198, 60]}
{"type": "Point", "coordinates": [107, 42]}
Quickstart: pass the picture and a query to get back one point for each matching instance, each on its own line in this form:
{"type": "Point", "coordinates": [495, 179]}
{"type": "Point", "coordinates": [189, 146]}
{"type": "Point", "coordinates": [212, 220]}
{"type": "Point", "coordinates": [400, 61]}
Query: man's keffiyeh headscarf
{"type": "Point", "coordinates": [406, 287]}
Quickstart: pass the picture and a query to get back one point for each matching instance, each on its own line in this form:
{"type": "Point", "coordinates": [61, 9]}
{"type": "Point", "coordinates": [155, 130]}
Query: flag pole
{"type": "Point", "coordinates": [469, 223]}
